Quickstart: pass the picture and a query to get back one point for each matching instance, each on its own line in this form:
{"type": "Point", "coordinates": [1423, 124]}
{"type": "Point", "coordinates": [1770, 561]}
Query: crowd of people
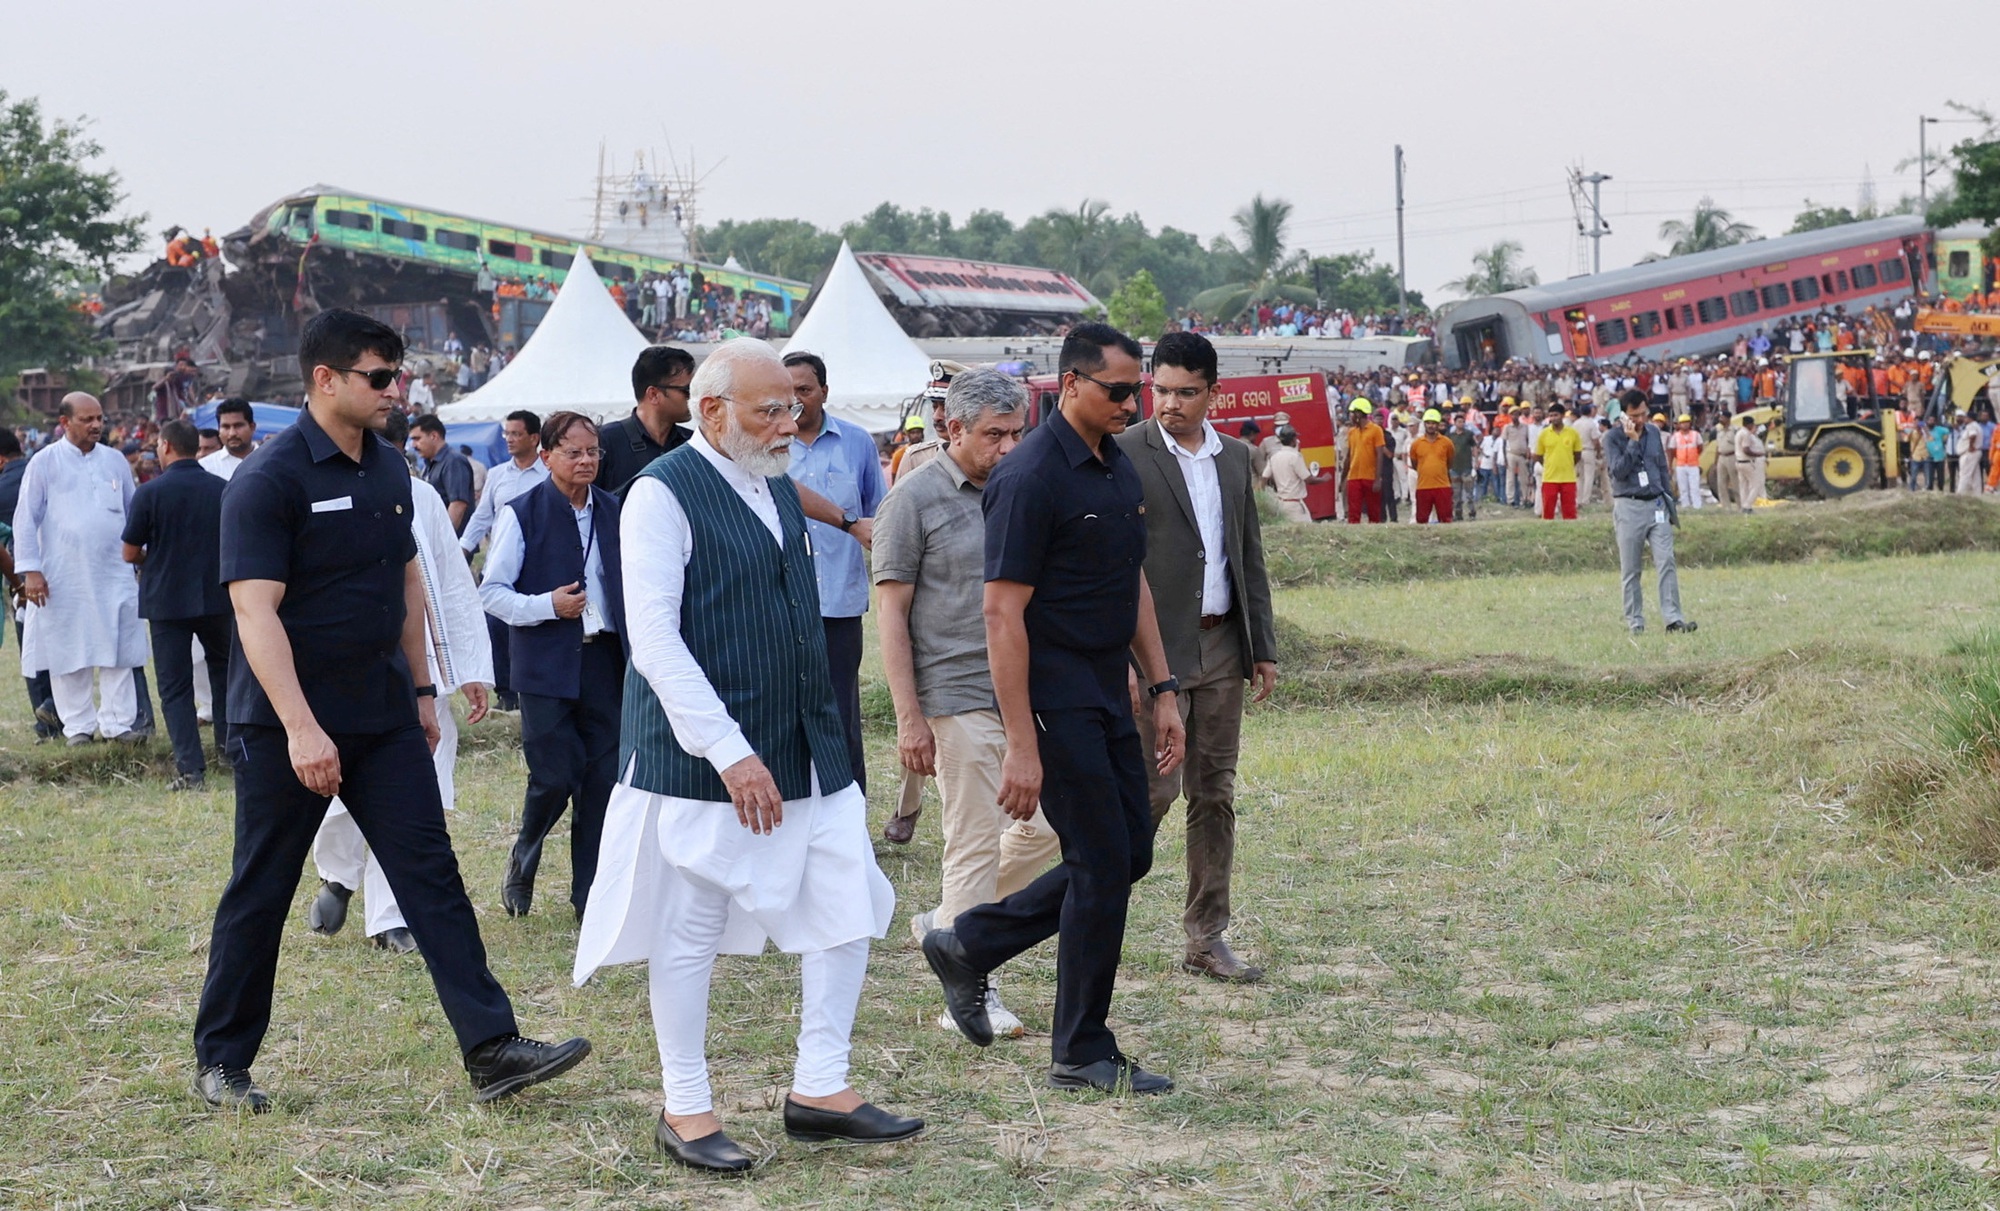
{"type": "Point", "coordinates": [672, 603]}
{"type": "Point", "coordinates": [1285, 319]}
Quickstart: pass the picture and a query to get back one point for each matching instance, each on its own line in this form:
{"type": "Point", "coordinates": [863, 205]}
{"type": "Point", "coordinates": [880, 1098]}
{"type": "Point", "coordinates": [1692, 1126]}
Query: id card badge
{"type": "Point", "coordinates": [592, 621]}
{"type": "Point", "coordinates": [1659, 517]}
{"type": "Point", "coordinates": [1645, 481]}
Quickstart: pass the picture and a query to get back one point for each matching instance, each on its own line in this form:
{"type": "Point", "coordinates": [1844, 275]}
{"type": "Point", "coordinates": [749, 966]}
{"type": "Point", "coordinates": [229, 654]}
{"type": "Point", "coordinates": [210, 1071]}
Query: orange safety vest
{"type": "Point", "coordinates": [1687, 448]}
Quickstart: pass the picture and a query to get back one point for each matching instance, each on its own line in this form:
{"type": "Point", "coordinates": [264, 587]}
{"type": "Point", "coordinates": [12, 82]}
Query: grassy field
{"type": "Point", "coordinates": [1553, 918]}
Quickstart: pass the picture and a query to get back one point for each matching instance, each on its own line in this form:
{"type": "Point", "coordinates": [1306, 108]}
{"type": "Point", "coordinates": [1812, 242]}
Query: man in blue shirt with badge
{"type": "Point", "coordinates": [1067, 608]}
{"type": "Point", "coordinates": [837, 459]}
{"type": "Point", "coordinates": [320, 560]}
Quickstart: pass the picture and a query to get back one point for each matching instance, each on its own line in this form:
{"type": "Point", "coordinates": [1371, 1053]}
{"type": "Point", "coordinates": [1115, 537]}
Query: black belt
{"type": "Point", "coordinates": [1211, 621]}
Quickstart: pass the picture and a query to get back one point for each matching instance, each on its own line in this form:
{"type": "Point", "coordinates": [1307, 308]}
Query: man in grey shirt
{"type": "Point", "coordinates": [1642, 512]}
{"type": "Point", "coordinates": [930, 580]}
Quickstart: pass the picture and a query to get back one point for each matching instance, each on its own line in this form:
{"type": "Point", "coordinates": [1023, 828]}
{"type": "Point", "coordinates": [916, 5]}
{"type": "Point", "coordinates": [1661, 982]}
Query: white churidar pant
{"type": "Point", "coordinates": [115, 688]}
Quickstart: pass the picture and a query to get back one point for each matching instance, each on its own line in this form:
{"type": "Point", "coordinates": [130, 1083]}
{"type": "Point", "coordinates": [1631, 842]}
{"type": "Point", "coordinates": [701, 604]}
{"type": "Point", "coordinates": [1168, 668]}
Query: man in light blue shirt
{"type": "Point", "coordinates": [839, 461]}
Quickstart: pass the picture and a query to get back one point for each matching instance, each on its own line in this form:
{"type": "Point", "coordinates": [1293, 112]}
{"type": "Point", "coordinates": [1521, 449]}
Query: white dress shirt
{"type": "Point", "coordinates": [503, 568]}
{"type": "Point", "coordinates": [655, 584]}
{"type": "Point", "coordinates": [1205, 494]}
{"type": "Point", "coordinates": [503, 484]}
{"type": "Point", "coordinates": [220, 463]}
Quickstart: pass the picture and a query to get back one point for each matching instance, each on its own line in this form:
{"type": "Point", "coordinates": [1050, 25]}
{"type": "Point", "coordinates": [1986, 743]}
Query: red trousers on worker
{"type": "Point", "coordinates": [1559, 494]}
{"type": "Point", "coordinates": [1364, 497]}
{"type": "Point", "coordinates": [1433, 502]}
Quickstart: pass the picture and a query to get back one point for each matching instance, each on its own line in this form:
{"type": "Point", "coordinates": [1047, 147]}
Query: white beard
{"type": "Point", "coordinates": [743, 450]}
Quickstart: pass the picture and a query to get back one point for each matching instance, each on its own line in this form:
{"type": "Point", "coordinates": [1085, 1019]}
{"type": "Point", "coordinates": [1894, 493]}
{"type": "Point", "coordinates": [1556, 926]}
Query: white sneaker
{"type": "Point", "coordinates": [921, 925]}
{"type": "Point", "coordinates": [1005, 1024]}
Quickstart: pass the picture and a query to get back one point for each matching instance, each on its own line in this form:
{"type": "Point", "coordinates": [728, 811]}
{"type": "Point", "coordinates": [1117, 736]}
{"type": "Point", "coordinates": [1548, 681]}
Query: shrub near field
{"type": "Point", "coordinates": [1503, 543]}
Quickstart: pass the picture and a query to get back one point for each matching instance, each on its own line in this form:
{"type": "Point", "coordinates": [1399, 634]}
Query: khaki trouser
{"type": "Point", "coordinates": [1586, 479]}
{"type": "Point", "coordinates": [988, 854]}
{"type": "Point", "coordinates": [1725, 480]}
{"type": "Point", "coordinates": [1211, 703]}
{"type": "Point", "coordinates": [1520, 483]}
{"type": "Point", "coordinates": [1749, 481]}
{"type": "Point", "coordinates": [1294, 510]}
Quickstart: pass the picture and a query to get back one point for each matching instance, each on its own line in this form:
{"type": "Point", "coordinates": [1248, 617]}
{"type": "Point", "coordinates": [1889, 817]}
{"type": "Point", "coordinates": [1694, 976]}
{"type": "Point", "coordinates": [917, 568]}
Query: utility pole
{"type": "Point", "coordinates": [1598, 228]}
{"type": "Point", "coordinates": [1924, 162]}
{"type": "Point", "coordinates": [1402, 308]}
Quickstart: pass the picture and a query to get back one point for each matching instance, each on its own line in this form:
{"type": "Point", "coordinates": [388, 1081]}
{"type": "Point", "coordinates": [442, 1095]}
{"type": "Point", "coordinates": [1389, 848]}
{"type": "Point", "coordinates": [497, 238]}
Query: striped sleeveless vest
{"type": "Point", "coordinates": [750, 616]}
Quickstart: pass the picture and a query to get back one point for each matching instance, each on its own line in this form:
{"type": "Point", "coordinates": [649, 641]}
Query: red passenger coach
{"type": "Point", "coordinates": [1692, 305]}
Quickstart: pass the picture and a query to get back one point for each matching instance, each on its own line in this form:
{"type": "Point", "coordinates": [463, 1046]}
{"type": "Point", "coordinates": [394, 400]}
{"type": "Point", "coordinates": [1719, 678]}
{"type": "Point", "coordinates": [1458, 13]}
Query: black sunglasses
{"type": "Point", "coordinates": [1118, 392]}
{"type": "Point", "coordinates": [378, 379]}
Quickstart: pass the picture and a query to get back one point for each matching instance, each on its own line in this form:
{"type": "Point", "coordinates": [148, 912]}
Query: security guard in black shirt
{"type": "Point", "coordinates": [319, 557]}
{"type": "Point", "coordinates": [1067, 606]}
{"type": "Point", "coordinates": [660, 379]}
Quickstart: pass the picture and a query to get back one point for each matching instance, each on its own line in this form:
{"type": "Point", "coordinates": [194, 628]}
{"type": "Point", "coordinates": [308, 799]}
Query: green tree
{"type": "Point", "coordinates": [1818, 218]}
{"type": "Point", "coordinates": [58, 236]}
{"type": "Point", "coordinates": [1357, 282]}
{"type": "Point", "coordinates": [1976, 198]}
{"type": "Point", "coordinates": [1084, 243]}
{"type": "Point", "coordinates": [787, 248]}
{"type": "Point", "coordinates": [1258, 266]}
{"type": "Point", "coordinates": [1138, 307]}
{"type": "Point", "coordinates": [1709, 228]}
{"type": "Point", "coordinates": [1496, 270]}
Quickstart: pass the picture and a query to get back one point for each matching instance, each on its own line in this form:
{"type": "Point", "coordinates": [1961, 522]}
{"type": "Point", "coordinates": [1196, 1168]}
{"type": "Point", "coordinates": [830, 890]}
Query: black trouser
{"type": "Point", "coordinates": [843, 656]}
{"type": "Point", "coordinates": [572, 749]}
{"type": "Point", "coordinates": [142, 722]}
{"type": "Point", "coordinates": [503, 662]}
{"type": "Point", "coordinates": [40, 693]}
{"type": "Point", "coordinates": [173, 656]}
{"type": "Point", "coordinates": [1094, 795]}
{"type": "Point", "coordinates": [390, 787]}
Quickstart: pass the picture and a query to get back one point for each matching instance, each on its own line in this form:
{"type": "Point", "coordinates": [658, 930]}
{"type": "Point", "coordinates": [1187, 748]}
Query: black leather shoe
{"type": "Point", "coordinates": [714, 1152]}
{"type": "Point", "coordinates": [230, 1089]}
{"type": "Point", "coordinates": [964, 986]}
{"type": "Point", "coordinates": [517, 889]}
{"type": "Point", "coordinates": [866, 1124]}
{"type": "Point", "coordinates": [1685, 625]}
{"type": "Point", "coordinates": [510, 1063]}
{"type": "Point", "coordinates": [328, 911]}
{"type": "Point", "coordinates": [1108, 1076]}
{"type": "Point", "coordinates": [397, 939]}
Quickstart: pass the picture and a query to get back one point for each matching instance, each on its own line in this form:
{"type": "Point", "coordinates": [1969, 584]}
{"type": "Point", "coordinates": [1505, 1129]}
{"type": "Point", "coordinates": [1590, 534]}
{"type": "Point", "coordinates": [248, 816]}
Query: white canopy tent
{"type": "Point", "coordinates": [871, 365]}
{"type": "Point", "coordinates": [578, 359]}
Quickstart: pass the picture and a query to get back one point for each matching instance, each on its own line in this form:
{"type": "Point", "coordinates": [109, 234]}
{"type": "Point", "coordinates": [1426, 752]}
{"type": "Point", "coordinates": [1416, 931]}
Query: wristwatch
{"type": "Point", "coordinates": [427, 691]}
{"type": "Point", "coordinates": [847, 522]}
{"type": "Point", "coordinates": [1170, 686]}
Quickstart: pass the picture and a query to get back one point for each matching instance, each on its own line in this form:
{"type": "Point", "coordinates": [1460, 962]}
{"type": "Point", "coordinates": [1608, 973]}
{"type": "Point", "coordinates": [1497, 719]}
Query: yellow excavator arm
{"type": "Point", "coordinates": [1955, 323]}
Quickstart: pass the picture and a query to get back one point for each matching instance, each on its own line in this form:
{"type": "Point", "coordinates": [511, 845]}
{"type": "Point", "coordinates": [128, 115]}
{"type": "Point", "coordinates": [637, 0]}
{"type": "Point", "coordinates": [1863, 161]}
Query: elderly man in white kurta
{"type": "Point", "coordinates": [461, 659]}
{"type": "Point", "coordinates": [736, 819]}
{"type": "Point", "coordinates": [83, 600]}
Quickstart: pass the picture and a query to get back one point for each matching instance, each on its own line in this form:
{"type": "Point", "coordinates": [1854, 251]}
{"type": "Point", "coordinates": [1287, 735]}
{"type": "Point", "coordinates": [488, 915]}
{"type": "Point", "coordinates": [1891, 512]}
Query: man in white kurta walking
{"type": "Point", "coordinates": [461, 659]}
{"type": "Point", "coordinates": [83, 617]}
{"type": "Point", "coordinates": [736, 819]}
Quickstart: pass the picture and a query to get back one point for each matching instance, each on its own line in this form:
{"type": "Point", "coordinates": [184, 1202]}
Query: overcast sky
{"type": "Point", "coordinates": [210, 109]}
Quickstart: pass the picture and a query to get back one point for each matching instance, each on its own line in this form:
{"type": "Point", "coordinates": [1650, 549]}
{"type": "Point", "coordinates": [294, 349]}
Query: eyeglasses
{"type": "Point", "coordinates": [663, 388]}
{"type": "Point", "coordinates": [771, 412]}
{"type": "Point", "coordinates": [1186, 395]}
{"type": "Point", "coordinates": [583, 456]}
{"type": "Point", "coordinates": [1118, 393]}
{"type": "Point", "coordinates": [378, 379]}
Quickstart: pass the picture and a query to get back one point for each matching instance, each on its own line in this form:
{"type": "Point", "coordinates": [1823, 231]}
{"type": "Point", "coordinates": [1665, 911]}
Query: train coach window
{"type": "Point", "coordinates": [557, 260]}
{"type": "Point", "coordinates": [1610, 332]}
{"type": "Point", "coordinates": [1712, 311]}
{"type": "Point", "coordinates": [1835, 282]}
{"type": "Point", "coordinates": [615, 271]}
{"type": "Point", "coordinates": [1959, 264]}
{"type": "Point", "coordinates": [1645, 324]}
{"type": "Point", "coordinates": [1892, 271]}
{"type": "Point", "coordinates": [402, 230]}
{"type": "Point", "coordinates": [1775, 296]}
{"type": "Point", "coordinates": [1742, 303]}
{"type": "Point", "coordinates": [1864, 276]}
{"type": "Point", "coordinates": [1804, 290]}
{"type": "Point", "coordinates": [464, 241]}
{"type": "Point", "coordinates": [510, 250]}
{"type": "Point", "coordinates": [350, 219]}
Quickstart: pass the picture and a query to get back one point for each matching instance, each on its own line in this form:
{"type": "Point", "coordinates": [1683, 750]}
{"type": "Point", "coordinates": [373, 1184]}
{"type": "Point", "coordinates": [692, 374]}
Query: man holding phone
{"type": "Point", "coordinates": [1643, 513]}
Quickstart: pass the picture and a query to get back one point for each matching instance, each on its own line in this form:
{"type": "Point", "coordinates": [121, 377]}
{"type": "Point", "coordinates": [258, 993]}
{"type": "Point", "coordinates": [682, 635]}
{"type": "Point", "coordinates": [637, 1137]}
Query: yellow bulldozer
{"type": "Point", "coordinates": [1831, 431]}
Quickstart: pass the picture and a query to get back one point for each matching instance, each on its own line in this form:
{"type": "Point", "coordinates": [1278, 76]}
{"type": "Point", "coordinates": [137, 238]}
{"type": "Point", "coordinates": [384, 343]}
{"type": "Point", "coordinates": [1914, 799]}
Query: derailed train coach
{"type": "Point", "coordinates": [1695, 305]}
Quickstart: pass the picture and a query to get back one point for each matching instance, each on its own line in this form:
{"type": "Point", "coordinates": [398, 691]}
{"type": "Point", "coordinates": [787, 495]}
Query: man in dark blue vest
{"type": "Point", "coordinates": [552, 575]}
{"type": "Point", "coordinates": [736, 820]}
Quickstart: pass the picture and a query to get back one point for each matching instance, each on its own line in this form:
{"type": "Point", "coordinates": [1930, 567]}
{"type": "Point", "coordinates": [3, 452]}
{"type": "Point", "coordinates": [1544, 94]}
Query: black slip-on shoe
{"type": "Point", "coordinates": [1684, 625]}
{"type": "Point", "coordinates": [397, 939]}
{"type": "Point", "coordinates": [715, 1152]}
{"type": "Point", "coordinates": [964, 986]}
{"type": "Point", "coordinates": [866, 1124]}
{"type": "Point", "coordinates": [328, 911]}
{"type": "Point", "coordinates": [1108, 1076]}
{"type": "Point", "coordinates": [506, 1065]}
{"type": "Point", "coordinates": [230, 1089]}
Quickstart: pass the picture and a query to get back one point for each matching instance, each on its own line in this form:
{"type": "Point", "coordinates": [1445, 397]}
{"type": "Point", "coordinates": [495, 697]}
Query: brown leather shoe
{"type": "Point", "coordinates": [899, 829]}
{"type": "Point", "coordinates": [1220, 963]}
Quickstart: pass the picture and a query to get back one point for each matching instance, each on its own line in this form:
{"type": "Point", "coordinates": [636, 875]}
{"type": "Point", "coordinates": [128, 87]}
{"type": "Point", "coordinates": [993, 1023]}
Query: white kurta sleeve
{"type": "Point", "coordinates": [503, 567]}
{"type": "Point", "coordinates": [28, 514]}
{"type": "Point", "coordinates": [657, 545]}
{"type": "Point", "coordinates": [465, 650]}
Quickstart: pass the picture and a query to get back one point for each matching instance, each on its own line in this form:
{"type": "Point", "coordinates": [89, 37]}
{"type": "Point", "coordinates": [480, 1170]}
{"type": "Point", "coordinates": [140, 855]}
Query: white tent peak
{"type": "Point", "coordinates": [579, 358]}
{"type": "Point", "coordinates": [872, 366]}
